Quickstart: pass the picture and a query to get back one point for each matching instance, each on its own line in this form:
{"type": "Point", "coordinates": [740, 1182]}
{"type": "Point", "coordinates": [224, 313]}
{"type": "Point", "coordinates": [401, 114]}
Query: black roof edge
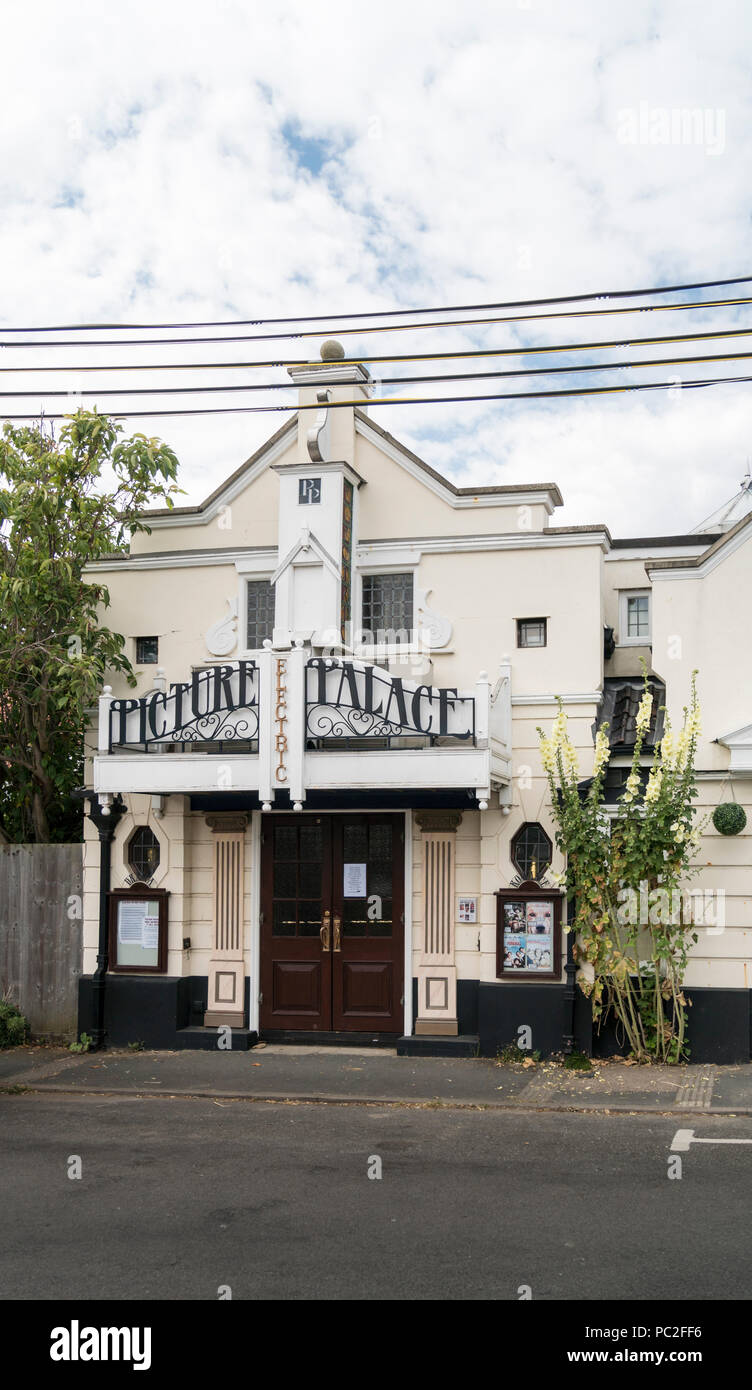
{"type": "Point", "coordinates": [700, 539]}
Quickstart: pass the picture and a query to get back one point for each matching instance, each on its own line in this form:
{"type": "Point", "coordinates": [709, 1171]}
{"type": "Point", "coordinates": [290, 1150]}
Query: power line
{"type": "Point", "coordinates": [421, 400]}
{"type": "Point", "coordinates": [368, 329]}
{"type": "Point", "coordinates": [386, 380]}
{"type": "Point", "coordinates": [391, 313]}
{"type": "Point", "coordinates": [462, 354]}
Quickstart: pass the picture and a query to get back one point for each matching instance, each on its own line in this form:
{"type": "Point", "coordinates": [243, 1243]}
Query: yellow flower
{"type": "Point", "coordinates": [668, 750]}
{"type": "Point", "coordinates": [547, 754]}
{"type": "Point", "coordinates": [602, 751]}
{"type": "Point", "coordinates": [644, 712]}
{"type": "Point", "coordinates": [569, 756]}
{"type": "Point", "coordinates": [655, 781]}
{"type": "Point", "coordinates": [559, 731]}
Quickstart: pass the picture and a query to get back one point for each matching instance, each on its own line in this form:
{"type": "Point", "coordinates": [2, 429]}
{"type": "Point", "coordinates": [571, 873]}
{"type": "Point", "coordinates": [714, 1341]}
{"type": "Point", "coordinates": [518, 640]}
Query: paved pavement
{"type": "Point", "coordinates": [363, 1076]}
{"type": "Point", "coordinates": [177, 1199]}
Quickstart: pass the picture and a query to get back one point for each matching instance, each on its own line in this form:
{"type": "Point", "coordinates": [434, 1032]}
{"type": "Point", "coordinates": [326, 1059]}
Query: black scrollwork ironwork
{"type": "Point", "coordinates": [228, 694]}
{"type": "Point", "coordinates": [216, 728]}
{"type": "Point", "coordinates": [366, 702]}
{"type": "Point", "coordinates": [334, 721]}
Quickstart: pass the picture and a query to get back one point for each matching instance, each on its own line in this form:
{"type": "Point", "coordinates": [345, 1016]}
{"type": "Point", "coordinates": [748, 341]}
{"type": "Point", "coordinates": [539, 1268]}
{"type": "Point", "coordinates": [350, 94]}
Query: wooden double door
{"type": "Point", "coordinates": [332, 923]}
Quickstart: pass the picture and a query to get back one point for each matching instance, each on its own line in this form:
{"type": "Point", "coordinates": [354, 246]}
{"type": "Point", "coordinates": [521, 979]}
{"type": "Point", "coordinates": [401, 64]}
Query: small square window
{"type": "Point", "coordinates": [147, 651]}
{"type": "Point", "coordinates": [532, 632]}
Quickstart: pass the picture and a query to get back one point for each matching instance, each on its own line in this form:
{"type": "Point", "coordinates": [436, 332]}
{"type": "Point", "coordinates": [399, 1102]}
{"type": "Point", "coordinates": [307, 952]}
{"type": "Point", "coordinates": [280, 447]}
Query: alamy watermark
{"type": "Point", "coordinates": [660, 907]}
{"type": "Point", "coordinates": [672, 125]}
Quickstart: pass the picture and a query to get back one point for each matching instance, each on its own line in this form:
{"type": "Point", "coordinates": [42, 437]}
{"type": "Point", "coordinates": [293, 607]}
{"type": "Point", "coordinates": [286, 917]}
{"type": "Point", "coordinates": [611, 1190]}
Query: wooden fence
{"type": "Point", "coordinates": [40, 933]}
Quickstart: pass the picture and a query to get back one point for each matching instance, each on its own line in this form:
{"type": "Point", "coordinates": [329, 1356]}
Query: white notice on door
{"type": "Point", "coordinates": [354, 881]}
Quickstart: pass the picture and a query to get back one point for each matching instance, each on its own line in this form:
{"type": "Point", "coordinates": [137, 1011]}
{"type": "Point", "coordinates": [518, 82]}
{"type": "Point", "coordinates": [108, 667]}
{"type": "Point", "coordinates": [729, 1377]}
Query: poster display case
{"type": "Point", "coordinates": [528, 932]}
{"type": "Point", "coordinates": [138, 930]}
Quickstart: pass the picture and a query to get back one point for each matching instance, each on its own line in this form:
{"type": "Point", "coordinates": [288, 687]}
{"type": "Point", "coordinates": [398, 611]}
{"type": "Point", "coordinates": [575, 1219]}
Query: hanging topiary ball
{"type": "Point", "coordinates": [729, 818]}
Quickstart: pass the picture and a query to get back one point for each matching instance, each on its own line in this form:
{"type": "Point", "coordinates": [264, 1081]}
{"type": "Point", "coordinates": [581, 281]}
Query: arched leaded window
{"type": "Point", "coordinates": [143, 852]}
{"type": "Point", "coordinates": [531, 851]}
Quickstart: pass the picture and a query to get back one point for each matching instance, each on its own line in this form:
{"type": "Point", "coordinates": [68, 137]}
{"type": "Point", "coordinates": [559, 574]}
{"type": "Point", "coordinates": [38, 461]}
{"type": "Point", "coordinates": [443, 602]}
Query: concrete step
{"type": "Point", "coordinates": [437, 1045]}
{"type": "Point", "coordinates": [205, 1039]}
{"type": "Point", "coordinates": [300, 1038]}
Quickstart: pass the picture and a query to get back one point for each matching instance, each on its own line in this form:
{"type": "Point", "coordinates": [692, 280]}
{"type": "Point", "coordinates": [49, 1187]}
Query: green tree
{"type": "Point", "coordinates": [63, 504]}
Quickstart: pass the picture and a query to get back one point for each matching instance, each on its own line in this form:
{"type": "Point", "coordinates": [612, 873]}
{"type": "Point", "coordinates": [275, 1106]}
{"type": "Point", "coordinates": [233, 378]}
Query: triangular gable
{"type": "Point", "coordinates": [306, 543]}
{"type": "Point", "coordinates": [270, 452]}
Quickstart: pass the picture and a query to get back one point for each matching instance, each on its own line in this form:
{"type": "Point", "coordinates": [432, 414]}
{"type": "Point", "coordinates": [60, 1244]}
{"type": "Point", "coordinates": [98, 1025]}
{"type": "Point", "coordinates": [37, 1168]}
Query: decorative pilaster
{"type": "Point", "coordinates": [436, 970]}
{"type": "Point", "coordinates": [226, 966]}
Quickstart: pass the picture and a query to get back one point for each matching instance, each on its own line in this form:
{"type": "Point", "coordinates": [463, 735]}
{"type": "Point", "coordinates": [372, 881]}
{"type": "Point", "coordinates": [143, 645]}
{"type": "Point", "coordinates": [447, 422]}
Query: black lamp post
{"type": "Point", "coordinates": [106, 825]}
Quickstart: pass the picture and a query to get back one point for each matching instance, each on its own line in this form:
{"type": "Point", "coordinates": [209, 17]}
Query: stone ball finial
{"type": "Point", "coordinates": [332, 351]}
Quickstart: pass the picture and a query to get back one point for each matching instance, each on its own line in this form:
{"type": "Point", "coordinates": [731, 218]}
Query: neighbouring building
{"type": "Point", "coordinates": [305, 821]}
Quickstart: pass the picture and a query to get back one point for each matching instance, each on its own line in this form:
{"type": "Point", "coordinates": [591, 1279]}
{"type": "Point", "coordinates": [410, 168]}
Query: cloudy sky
{"type": "Point", "coordinates": [244, 160]}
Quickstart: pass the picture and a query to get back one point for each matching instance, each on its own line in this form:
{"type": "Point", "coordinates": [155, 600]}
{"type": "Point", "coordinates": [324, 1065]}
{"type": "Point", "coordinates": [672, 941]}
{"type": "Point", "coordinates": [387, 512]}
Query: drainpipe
{"type": "Point", "coordinates": [105, 818]}
{"type": "Point", "coordinates": [570, 987]}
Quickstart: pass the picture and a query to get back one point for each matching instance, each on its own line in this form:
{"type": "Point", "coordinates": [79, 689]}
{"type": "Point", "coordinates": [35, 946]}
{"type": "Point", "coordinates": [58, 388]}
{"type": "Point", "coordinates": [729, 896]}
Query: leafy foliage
{"type": "Point", "coordinates": [14, 1028]}
{"type": "Point", "coordinates": [62, 504]}
{"type": "Point", "coordinates": [624, 875]}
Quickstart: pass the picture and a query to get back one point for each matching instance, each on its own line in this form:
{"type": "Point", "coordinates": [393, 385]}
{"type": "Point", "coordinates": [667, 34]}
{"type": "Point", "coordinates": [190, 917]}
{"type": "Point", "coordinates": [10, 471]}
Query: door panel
{"type": "Point", "coordinates": [332, 923]}
{"type": "Point", "coordinates": [367, 899]}
{"type": "Point", "coordinates": [367, 988]}
{"type": "Point", "coordinates": [295, 894]}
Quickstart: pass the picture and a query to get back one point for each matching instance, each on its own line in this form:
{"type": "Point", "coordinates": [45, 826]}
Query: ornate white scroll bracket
{"type": "Point", "coordinates": [318, 436]}
{"type": "Point", "coordinates": [222, 636]}
{"type": "Point", "coordinates": [434, 629]}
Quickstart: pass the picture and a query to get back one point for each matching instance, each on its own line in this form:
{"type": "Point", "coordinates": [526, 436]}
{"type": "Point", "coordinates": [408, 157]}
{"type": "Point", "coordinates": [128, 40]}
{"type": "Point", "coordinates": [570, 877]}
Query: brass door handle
{"type": "Point", "coordinates": [324, 933]}
{"type": "Point", "coordinates": [337, 933]}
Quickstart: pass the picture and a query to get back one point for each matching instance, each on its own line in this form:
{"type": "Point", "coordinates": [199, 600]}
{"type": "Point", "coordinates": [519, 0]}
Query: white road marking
{"type": "Point", "coordinates": [698, 1094]}
{"type": "Point", "coordinates": [684, 1137]}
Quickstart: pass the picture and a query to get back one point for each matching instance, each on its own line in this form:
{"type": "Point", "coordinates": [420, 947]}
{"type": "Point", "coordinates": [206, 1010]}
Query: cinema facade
{"type": "Point", "coordinates": [321, 815]}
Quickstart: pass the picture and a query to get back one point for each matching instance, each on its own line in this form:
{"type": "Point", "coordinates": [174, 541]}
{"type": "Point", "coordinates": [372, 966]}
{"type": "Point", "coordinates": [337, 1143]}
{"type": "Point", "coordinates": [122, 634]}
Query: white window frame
{"type": "Point", "coordinates": [624, 639]}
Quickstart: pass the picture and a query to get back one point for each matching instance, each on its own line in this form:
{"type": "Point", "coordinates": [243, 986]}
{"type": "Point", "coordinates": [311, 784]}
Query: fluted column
{"type": "Point", "coordinates": [226, 966]}
{"type": "Point", "coordinates": [436, 970]}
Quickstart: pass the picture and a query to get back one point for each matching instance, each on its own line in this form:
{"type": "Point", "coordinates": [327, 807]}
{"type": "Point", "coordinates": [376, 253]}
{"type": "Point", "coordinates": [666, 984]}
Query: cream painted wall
{"type": "Point", "coordinates": [176, 605]}
{"type": "Point", "coordinates": [702, 623]}
{"type": "Point", "coordinates": [484, 593]}
{"type": "Point", "coordinates": [250, 519]}
{"type": "Point", "coordinates": [394, 504]}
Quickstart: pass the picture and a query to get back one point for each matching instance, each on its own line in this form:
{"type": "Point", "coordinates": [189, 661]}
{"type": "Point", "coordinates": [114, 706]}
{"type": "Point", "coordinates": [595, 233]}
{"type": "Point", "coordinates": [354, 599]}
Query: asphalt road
{"type": "Point", "coordinates": [180, 1197]}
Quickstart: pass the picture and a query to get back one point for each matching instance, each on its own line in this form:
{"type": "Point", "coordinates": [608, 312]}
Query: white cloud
{"type": "Point", "coordinates": [474, 154]}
